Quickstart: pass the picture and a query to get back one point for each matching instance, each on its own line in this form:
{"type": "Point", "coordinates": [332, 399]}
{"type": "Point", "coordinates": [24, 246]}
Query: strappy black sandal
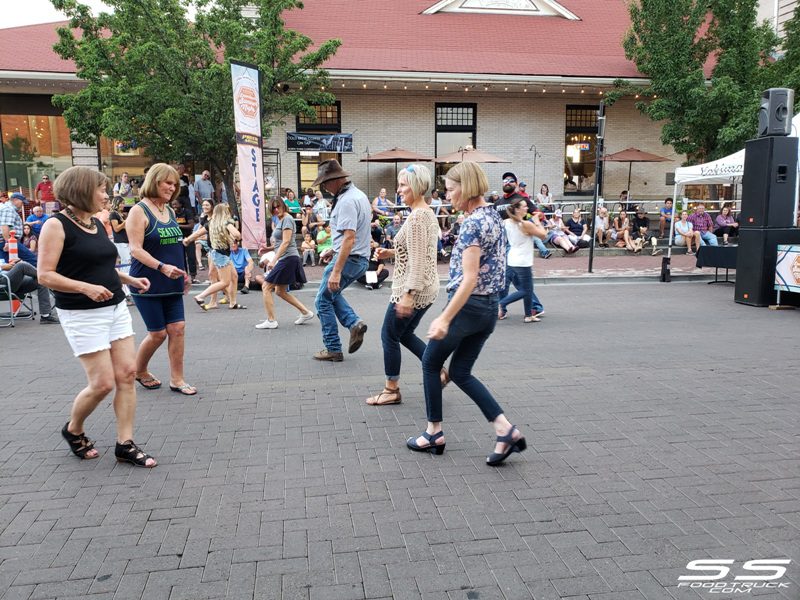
{"type": "Point", "coordinates": [79, 444]}
{"type": "Point", "coordinates": [131, 453]}
{"type": "Point", "coordinates": [432, 447]}
{"type": "Point", "coordinates": [512, 446]}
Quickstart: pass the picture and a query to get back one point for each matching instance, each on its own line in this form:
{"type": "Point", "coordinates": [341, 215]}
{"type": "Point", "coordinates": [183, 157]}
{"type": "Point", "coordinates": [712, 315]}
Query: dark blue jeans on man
{"type": "Point", "coordinates": [398, 331]}
{"type": "Point", "coordinates": [465, 338]}
{"type": "Point", "coordinates": [332, 305]}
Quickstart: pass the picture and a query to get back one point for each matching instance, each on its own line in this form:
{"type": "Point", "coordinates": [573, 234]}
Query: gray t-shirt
{"type": "Point", "coordinates": [277, 237]}
{"type": "Point", "coordinates": [353, 211]}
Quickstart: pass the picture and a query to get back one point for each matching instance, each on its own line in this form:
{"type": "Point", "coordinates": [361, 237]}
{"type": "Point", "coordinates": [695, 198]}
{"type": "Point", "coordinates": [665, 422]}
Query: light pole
{"type": "Point", "coordinates": [535, 156]}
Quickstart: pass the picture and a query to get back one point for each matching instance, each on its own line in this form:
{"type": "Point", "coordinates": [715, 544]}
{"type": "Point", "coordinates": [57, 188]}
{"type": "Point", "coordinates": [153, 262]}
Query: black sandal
{"type": "Point", "coordinates": [237, 306]}
{"type": "Point", "coordinates": [512, 446]}
{"type": "Point", "coordinates": [432, 447]}
{"type": "Point", "coordinates": [131, 453]}
{"type": "Point", "coordinates": [79, 444]}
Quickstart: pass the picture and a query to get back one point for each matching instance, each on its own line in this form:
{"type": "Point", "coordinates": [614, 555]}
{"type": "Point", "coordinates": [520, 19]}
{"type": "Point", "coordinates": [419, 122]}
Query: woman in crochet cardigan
{"type": "Point", "coordinates": [416, 281]}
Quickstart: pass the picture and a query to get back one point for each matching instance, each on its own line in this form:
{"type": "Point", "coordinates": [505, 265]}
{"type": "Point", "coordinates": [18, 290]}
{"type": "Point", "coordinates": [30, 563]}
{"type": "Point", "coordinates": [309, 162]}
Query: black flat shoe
{"type": "Point", "coordinates": [432, 447]}
{"type": "Point", "coordinates": [512, 446]}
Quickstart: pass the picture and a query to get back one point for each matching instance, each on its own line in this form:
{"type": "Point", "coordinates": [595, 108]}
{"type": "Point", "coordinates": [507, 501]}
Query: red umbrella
{"type": "Point", "coordinates": [632, 155]}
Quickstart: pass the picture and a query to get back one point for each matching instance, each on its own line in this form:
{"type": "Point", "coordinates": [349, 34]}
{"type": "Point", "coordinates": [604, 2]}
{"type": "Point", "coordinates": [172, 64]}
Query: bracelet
{"type": "Point", "coordinates": [160, 265]}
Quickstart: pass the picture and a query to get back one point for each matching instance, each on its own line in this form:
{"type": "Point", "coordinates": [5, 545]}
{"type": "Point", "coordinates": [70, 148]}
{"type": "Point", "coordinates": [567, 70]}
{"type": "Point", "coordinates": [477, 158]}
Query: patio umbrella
{"type": "Point", "coordinates": [630, 156]}
{"type": "Point", "coordinates": [471, 154]}
{"type": "Point", "coordinates": [395, 155]}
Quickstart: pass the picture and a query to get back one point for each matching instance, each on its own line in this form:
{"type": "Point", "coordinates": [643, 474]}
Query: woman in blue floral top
{"type": "Point", "coordinates": [477, 278]}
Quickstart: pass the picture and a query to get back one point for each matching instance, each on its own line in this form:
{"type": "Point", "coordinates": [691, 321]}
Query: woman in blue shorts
{"type": "Point", "coordinates": [156, 244]}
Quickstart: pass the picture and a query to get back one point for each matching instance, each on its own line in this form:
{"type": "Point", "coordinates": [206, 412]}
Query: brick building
{"type": "Point", "coordinates": [520, 79]}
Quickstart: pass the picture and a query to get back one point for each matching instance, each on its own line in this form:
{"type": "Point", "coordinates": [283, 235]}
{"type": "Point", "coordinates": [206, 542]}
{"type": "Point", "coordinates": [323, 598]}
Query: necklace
{"type": "Point", "coordinates": [162, 210]}
{"type": "Point", "coordinates": [91, 225]}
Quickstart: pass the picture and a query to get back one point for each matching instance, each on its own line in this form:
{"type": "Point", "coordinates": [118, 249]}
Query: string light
{"type": "Point", "coordinates": [426, 86]}
{"type": "Point", "coordinates": [364, 85]}
{"type": "Point", "coordinates": [385, 86]}
{"type": "Point", "coordinates": [543, 90]}
{"type": "Point", "coordinates": [445, 87]}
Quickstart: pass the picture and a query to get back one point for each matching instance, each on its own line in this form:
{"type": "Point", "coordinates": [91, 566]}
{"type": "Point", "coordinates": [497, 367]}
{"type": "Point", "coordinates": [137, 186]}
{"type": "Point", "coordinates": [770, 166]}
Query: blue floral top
{"type": "Point", "coordinates": [483, 228]}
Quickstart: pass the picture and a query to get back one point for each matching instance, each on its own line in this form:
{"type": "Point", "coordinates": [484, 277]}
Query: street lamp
{"type": "Point", "coordinates": [535, 156]}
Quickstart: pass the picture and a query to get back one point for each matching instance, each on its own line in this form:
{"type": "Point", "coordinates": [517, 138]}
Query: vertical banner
{"type": "Point", "coordinates": [247, 119]}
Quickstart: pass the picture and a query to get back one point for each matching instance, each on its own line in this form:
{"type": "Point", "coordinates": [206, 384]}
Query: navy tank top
{"type": "Point", "coordinates": [88, 257]}
{"type": "Point", "coordinates": [164, 242]}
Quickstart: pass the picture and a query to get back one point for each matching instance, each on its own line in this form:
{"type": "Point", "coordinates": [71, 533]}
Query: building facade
{"type": "Point", "coordinates": [521, 79]}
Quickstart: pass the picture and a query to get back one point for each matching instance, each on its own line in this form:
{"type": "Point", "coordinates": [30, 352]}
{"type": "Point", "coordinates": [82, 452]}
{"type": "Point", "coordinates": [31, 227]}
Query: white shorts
{"type": "Point", "coordinates": [94, 329]}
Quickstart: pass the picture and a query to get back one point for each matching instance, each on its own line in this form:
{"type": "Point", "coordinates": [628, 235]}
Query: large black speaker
{"type": "Point", "coordinates": [775, 113]}
{"type": "Point", "coordinates": [769, 182]}
{"type": "Point", "coordinates": [755, 263]}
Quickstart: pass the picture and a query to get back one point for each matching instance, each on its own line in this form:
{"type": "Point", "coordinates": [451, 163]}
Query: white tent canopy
{"type": "Point", "coordinates": [724, 170]}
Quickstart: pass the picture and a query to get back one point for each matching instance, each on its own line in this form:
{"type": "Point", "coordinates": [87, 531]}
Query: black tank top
{"type": "Point", "coordinates": [88, 257]}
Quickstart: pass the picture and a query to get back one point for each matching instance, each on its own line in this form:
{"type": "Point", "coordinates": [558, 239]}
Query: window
{"type": "Point", "coordinates": [117, 157]}
{"type": "Point", "coordinates": [33, 145]}
{"type": "Point", "coordinates": [456, 127]}
{"type": "Point", "coordinates": [328, 120]}
{"type": "Point", "coordinates": [580, 150]}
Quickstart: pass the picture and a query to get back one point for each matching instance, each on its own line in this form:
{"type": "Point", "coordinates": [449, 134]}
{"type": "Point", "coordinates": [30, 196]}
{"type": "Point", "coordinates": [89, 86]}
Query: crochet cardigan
{"type": "Point", "coordinates": [415, 258]}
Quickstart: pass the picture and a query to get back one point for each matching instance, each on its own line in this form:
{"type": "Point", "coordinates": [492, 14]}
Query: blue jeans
{"type": "Point", "coordinates": [398, 331]}
{"type": "Point", "coordinates": [522, 278]}
{"type": "Point", "coordinates": [465, 338]}
{"type": "Point", "coordinates": [707, 237]}
{"type": "Point", "coordinates": [540, 247]}
{"type": "Point", "coordinates": [333, 306]}
{"type": "Point", "coordinates": [25, 255]}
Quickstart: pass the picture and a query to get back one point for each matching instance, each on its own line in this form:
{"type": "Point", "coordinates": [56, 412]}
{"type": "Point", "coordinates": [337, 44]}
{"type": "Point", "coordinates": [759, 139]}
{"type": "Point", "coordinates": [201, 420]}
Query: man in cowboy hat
{"type": "Point", "coordinates": [350, 228]}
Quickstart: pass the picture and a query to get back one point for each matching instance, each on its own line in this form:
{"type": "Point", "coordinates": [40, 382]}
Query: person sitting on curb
{"type": "Point", "coordinates": [602, 227]}
{"type": "Point", "coordinates": [665, 217]}
{"type": "Point", "coordinates": [726, 224]}
{"type": "Point", "coordinates": [557, 235]}
{"type": "Point", "coordinates": [621, 234]}
{"type": "Point", "coordinates": [685, 234]}
{"type": "Point", "coordinates": [309, 248]}
{"type": "Point", "coordinates": [641, 232]}
{"type": "Point", "coordinates": [243, 263]}
{"type": "Point", "coordinates": [702, 224]}
{"type": "Point", "coordinates": [376, 267]}
{"type": "Point", "coordinates": [578, 230]}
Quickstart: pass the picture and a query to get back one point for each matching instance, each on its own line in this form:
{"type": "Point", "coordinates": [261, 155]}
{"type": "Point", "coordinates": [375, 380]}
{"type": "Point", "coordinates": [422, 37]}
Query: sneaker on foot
{"type": "Point", "coordinates": [357, 332]}
{"type": "Point", "coordinates": [49, 320]}
{"type": "Point", "coordinates": [548, 254]}
{"type": "Point", "coordinates": [537, 314]}
{"type": "Point", "coordinates": [244, 290]}
{"type": "Point", "coordinates": [267, 324]}
{"type": "Point", "coordinates": [304, 318]}
{"type": "Point", "coordinates": [329, 356]}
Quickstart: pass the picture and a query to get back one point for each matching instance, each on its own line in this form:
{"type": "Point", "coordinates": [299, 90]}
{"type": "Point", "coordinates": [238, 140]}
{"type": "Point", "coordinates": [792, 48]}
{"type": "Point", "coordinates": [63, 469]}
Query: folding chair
{"type": "Point", "coordinates": [20, 307]}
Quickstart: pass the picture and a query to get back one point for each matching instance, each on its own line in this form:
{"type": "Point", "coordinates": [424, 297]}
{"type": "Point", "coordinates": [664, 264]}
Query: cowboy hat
{"type": "Point", "coordinates": [328, 170]}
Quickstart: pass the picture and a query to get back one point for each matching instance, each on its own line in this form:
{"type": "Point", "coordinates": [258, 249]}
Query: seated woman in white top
{"type": "Point", "coordinates": [685, 233]}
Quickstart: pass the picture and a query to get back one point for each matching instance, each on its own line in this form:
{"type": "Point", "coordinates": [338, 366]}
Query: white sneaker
{"type": "Point", "coordinates": [303, 318]}
{"type": "Point", "coordinates": [267, 324]}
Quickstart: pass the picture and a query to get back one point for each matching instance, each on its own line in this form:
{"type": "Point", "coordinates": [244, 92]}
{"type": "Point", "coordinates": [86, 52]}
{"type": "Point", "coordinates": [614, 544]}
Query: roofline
{"type": "Point", "coordinates": [439, 77]}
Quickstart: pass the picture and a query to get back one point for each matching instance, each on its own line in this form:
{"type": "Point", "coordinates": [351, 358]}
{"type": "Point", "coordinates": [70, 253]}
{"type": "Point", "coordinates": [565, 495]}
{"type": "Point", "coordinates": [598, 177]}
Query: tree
{"type": "Point", "coordinates": [673, 43]}
{"type": "Point", "coordinates": [157, 81]}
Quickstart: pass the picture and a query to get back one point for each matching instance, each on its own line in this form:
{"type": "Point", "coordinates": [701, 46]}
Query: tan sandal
{"type": "Point", "coordinates": [387, 396]}
{"type": "Point", "coordinates": [444, 377]}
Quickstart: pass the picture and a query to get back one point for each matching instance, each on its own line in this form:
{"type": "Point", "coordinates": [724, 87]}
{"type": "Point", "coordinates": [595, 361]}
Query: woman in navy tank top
{"type": "Point", "coordinates": [156, 244]}
{"type": "Point", "coordinates": [77, 261]}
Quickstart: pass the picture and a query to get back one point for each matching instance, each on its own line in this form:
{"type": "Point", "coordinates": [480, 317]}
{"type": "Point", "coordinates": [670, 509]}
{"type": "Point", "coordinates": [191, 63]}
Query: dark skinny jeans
{"type": "Point", "coordinates": [398, 331]}
{"type": "Point", "coordinates": [465, 338]}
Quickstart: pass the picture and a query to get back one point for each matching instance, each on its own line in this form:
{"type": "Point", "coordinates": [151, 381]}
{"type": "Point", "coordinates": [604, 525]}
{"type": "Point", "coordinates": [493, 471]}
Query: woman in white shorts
{"type": "Point", "coordinates": [77, 262]}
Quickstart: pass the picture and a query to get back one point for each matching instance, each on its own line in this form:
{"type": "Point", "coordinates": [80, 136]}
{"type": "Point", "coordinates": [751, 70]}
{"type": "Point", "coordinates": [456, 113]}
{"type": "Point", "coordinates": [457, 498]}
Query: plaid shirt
{"type": "Point", "coordinates": [9, 216]}
{"type": "Point", "coordinates": [701, 223]}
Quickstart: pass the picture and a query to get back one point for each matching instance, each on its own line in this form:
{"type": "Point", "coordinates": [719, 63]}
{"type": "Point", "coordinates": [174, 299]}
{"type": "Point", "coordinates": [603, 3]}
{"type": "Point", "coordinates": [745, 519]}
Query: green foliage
{"type": "Point", "coordinates": [158, 81]}
{"type": "Point", "coordinates": [673, 43]}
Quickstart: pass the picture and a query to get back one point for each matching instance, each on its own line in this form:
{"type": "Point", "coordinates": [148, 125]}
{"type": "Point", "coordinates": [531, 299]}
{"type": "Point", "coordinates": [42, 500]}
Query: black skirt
{"type": "Point", "coordinates": [289, 270]}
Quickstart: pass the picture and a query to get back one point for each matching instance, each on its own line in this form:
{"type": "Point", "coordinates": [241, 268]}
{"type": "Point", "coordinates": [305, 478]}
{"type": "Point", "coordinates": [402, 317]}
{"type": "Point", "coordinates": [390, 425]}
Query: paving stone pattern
{"type": "Point", "coordinates": [661, 419]}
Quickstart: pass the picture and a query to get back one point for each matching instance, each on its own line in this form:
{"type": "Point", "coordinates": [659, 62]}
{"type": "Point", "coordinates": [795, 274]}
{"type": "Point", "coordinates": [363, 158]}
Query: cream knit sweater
{"type": "Point", "coordinates": [415, 258]}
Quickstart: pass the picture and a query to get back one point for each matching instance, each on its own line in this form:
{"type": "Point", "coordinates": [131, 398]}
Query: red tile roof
{"type": "Point", "coordinates": [393, 35]}
{"type": "Point", "coordinates": [30, 48]}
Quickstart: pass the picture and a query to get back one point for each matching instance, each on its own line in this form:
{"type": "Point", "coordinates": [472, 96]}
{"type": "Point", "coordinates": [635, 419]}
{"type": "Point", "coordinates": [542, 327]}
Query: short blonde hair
{"type": "Point", "coordinates": [418, 178]}
{"type": "Point", "coordinates": [159, 172]}
{"type": "Point", "coordinates": [76, 187]}
{"type": "Point", "coordinates": [470, 176]}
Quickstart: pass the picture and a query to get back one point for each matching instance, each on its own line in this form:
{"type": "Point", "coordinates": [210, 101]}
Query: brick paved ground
{"type": "Point", "coordinates": [662, 423]}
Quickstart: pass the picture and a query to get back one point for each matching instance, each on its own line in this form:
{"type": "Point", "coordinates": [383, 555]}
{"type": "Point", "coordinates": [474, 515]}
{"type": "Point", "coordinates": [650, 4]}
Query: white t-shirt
{"type": "Point", "coordinates": [520, 251]}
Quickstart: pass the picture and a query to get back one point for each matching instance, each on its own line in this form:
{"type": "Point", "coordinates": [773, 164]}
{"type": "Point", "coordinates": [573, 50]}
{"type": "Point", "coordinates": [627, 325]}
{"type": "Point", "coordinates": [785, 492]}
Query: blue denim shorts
{"type": "Point", "coordinates": [159, 311]}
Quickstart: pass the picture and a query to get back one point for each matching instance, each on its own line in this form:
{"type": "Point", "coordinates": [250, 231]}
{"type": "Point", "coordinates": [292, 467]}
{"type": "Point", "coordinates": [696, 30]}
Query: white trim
{"type": "Point", "coordinates": [551, 4]}
{"type": "Point", "coordinates": [39, 76]}
{"type": "Point", "coordinates": [441, 77]}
